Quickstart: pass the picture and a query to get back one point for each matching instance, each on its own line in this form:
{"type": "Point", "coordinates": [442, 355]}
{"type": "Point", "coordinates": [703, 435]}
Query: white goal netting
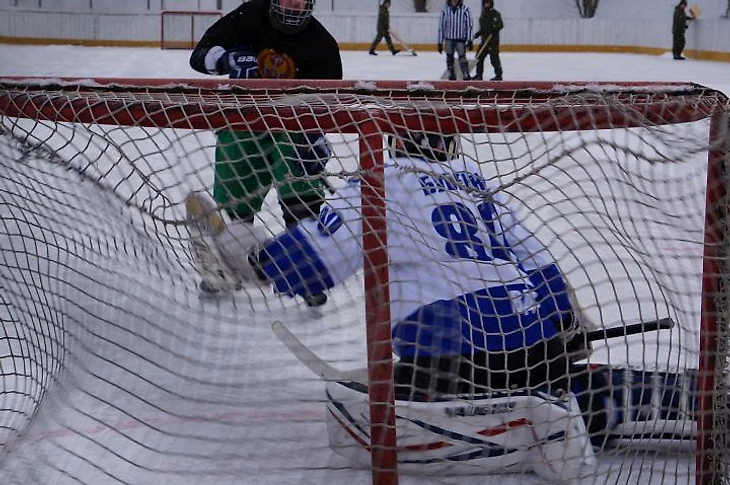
{"type": "Point", "coordinates": [114, 369]}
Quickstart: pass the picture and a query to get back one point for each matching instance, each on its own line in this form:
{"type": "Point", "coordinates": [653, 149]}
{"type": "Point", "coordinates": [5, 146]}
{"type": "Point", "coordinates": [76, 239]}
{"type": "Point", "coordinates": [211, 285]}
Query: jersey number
{"type": "Point", "coordinates": [456, 223]}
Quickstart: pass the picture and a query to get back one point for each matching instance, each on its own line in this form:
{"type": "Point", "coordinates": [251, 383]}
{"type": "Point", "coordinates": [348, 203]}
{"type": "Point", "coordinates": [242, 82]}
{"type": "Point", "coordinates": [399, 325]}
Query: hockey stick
{"type": "Point", "coordinates": [312, 361]}
{"type": "Point", "coordinates": [473, 63]}
{"type": "Point", "coordinates": [403, 44]}
{"type": "Point", "coordinates": [632, 329]}
{"type": "Point", "coordinates": [482, 47]}
{"type": "Point", "coordinates": [329, 373]}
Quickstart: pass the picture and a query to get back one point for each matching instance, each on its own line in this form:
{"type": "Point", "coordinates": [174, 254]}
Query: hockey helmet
{"type": "Point", "coordinates": [291, 16]}
{"type": "Point", "coordinates": [429, 146]}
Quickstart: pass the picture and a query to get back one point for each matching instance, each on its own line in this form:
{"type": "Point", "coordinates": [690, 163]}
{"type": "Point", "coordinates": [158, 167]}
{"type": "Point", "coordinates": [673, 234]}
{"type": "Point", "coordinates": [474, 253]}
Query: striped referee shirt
{"type": "Point", "coordinates": [456, 23]}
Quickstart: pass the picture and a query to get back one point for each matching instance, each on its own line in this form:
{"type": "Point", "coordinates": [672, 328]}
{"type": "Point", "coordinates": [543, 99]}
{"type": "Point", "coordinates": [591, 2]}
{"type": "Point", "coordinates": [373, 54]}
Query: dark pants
{"type": "Point", "coordinates": [382, 35]}
{"type": "Point", "coordinates": [544, 363]}
{"type": "Point", "coordinates": [491, 49]}
{"type": "Point", "coordinates": [248, 165]}
{"type": "Point", "coordinates": [543, 366]}
{"type": "Point", "coordinates": [678, 43]}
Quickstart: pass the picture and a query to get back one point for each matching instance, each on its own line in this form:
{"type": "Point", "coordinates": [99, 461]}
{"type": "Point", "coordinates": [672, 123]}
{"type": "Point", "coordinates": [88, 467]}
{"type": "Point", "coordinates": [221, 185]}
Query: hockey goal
{"type": "Point", "coordinates": [180, 29]}
{"type": "Point", "coordinates": [114, 370]}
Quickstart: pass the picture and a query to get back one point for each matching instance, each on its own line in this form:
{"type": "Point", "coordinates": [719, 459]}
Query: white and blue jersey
{"type": "Point", "coordinates": [465, 274]}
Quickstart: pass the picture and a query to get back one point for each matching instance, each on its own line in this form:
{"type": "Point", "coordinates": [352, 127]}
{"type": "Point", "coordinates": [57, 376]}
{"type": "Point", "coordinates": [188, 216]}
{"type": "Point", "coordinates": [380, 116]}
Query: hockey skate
{"type": "Point", "coordinates": [205, 225]}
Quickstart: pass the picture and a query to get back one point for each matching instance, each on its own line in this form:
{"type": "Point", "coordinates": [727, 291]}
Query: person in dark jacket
{"type": "Point", "coordinates": [383, 29]}
{"type": "Point", "coordinates": [680, 24]}
{"type": "Point", "coordinates": [268, 39]}
{"type": "Point", "coordinates": [490, 24]}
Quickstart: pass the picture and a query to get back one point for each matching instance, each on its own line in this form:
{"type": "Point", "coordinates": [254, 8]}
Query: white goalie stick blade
{"type": "Point", "coordinates": [312, 361]}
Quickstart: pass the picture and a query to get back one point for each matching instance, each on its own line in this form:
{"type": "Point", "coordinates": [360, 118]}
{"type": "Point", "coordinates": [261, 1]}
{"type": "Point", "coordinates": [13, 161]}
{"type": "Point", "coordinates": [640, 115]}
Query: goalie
{"type": "Point", "coordinates": [484, 329]}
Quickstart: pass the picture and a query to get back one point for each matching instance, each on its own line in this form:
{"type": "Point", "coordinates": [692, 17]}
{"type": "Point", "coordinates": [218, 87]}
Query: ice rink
{"type": "Point", "coordinates": [220, 400]}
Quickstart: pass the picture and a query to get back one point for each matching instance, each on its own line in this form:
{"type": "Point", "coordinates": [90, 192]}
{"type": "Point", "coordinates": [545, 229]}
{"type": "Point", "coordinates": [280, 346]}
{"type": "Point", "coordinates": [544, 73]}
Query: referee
{"type": "Point", "coordinates": [455, 29]}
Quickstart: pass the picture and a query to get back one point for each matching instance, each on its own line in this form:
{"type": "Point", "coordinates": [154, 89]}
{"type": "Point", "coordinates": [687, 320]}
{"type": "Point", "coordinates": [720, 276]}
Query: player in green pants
{"type": "Point", "coordinates": [248, 164]}
{"type": "Point", "coordinates": [275, 39]}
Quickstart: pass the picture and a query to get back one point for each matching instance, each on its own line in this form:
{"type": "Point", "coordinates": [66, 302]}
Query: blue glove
{"type": "Point", "coordinates": [314, 153]}
{"type": "Point", "coordinates": [239, 63]}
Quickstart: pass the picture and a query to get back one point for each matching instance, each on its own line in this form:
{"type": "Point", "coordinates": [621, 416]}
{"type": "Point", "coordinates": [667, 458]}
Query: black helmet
{"type": "Point", "coordinates": [433, 147]}
{"type": "Point", "coordinates": [291, 16]}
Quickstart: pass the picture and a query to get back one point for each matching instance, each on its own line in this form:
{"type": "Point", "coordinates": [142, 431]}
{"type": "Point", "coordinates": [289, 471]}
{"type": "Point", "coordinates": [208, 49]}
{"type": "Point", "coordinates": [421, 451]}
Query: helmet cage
{"type": "Point", "coordinates": [289, 19]}
{"type": "Point", "coordinates": [433, 147]}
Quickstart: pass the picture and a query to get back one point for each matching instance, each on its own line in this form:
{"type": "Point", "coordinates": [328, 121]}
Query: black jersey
{"type": "Point", "coordinates": [314, 51]}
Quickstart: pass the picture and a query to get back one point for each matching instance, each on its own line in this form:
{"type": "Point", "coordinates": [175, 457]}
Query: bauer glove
{"type": "Point", "coordinates": [240, 63]}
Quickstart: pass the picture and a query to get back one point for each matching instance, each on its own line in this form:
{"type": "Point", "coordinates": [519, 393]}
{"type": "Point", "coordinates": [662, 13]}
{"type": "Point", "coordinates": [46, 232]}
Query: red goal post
{"type": "Point", "coordinates": [369, 110]}
{"type": "Point", "coordinates": [182, 29]}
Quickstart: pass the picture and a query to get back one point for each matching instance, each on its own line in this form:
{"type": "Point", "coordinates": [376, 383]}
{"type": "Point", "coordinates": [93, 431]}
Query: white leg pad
{"type": "Point", "coordinates": [519, 432]}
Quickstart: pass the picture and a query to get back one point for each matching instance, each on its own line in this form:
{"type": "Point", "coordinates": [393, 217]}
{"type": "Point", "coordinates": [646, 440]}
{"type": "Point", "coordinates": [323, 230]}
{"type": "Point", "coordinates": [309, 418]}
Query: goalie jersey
{"type": "Point", "coordinates": [465, 273]}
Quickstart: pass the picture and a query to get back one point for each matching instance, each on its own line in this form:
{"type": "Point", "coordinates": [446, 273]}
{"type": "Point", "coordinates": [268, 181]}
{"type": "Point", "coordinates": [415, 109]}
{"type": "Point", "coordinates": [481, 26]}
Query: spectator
{"type": "Point", "coordinates": [679, 26]}
{"type": "Point", "coordinates": [490, 23]}
{"type": "Point", "coordinates": [383, 29]}
{"type": "Point", "coordinates": [455, 30]}
{"type": "Point", "coordinates": [420, 6]}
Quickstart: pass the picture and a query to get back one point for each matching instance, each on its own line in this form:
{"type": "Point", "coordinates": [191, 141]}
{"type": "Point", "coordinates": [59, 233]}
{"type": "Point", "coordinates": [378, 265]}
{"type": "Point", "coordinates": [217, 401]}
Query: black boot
{"type": "Point", "coordinates": [318, 299]}
{"type": "Point", "coordinates": [480, 72]}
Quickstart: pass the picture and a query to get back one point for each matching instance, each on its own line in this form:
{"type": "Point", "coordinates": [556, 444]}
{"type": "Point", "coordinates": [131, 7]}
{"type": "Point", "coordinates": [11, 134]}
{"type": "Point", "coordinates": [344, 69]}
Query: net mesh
{"type": "Point", "coordinates": [115, 369]}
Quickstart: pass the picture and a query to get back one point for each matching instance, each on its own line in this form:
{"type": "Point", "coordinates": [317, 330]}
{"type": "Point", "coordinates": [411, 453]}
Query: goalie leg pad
{"type": "Point", "coordinates": [632, 404]}
{"type": "Point", "coordinates": [490, 433]}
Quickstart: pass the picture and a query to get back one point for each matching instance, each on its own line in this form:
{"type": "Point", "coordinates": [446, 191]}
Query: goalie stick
{"type": "Point", "coordinates": [311, 360]}
{"type": "Point", "coordinates": [328, 372]}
